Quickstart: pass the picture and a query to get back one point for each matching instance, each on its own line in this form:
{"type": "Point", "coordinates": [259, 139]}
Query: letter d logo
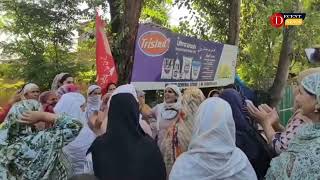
{"type": "Point", "coordinates": [277, 20]}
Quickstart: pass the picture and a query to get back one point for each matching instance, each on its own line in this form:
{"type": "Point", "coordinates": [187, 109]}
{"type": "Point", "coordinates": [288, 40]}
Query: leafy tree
{"type": "Point", "coordinates": [156, 11]}
{"type": "Point", "coordinates": [41, 34]}
{"type": "Point", "coordinates": [215, 20]}
{"type": "Point", "coordinates": [120, 31]}
{"type": "Point", "coordinates": [266, 54]}
{"type": "Point", "coordinates": [125, 16]}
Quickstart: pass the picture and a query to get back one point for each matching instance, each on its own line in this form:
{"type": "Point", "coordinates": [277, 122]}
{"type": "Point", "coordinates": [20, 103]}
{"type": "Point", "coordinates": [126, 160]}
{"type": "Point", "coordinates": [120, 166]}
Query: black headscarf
{"type": "Point", "coordinates": [248, 138]}
{"type": "Point", "coordinates": [125, 152]}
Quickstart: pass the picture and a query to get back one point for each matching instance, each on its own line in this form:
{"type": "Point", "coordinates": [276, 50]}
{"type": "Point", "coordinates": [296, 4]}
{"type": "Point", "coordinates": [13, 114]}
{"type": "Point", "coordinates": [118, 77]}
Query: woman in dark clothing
{"type": "Point", "coordinates": [248, 138]}
{"type": "Point", "coordinates": [125, 152]}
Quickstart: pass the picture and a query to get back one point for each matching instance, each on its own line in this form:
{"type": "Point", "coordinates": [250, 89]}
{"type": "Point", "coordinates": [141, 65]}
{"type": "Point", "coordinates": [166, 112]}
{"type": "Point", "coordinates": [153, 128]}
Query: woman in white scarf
{"type": "Point", "coordinates": [166, 113]}
{"type": "Point", "coordinates": [212, 153]}
{"type": "Point", "coordinates": [93, 100]}
{"type": "Point", "coordinates": [60, 80]}
{"type": "Point", "coordinates": [30, 91]}
{"type": "Point", "coordinates": [73, 105]}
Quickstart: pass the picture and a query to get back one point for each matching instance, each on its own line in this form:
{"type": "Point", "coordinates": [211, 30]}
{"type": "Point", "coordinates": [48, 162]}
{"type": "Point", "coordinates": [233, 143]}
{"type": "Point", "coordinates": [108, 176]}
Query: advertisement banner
{"type": "Point", "coordinates": [162, 57]}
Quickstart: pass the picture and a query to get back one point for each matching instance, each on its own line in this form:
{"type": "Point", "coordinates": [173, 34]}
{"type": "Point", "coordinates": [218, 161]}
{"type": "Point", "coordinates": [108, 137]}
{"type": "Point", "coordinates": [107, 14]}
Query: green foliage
{"type": "Point", "coordinates": [211, 19]}
{"type": "Point", "coordinates": [41, 40]}
{"type": "Point", "coordinates": [156, 11]}
{"type": "Point", "coordinates": [260, 44]}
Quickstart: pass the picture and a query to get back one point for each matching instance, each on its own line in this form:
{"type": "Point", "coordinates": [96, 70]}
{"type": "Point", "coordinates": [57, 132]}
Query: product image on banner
{"type": "Point", "coordinates": [176, 70]}
{"type": "Point", "coordinates": [186, 68]}
{"type": "Point", "coordinates": [196, 66]}
{"type": "Point", "coordinates": [167, 67]}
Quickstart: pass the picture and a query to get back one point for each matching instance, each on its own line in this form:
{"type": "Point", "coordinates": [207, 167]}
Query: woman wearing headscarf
{"type": "Point", "coordinates": [298, 82]}
{"type": "Point", "coordinates": [60, 80]}
{"type": "Point", "coordinates": [30, 91]}
{"type": "Point", "coordinates": [212, 153]}
{"type": "Point", "coordinates": [125, 151]}
{"type": "Point", "coordinates": [278, 136]}
{"type": "Point", "coordinates": [214, 93]}
{"type": "Point", "coordinates": [166, 113]}
{"type": "Point", "coordinates": [107, 92]}
{"type": "Point", "coordinates": [93, 100]}
{"type": "Point", "coordinates": [302, 158]}
{"type": "Point", "coordinates": [48, 100]}
{"type": "Point", "coordinates": [27, 153]}
{"type": "Point", "coordinates": [99, 122]}
{"type": "Point", "coordinates": [248, 139]}
{"type": "Point", "coordinates": [67, 88]}
{"type": "Point", "coordinates": [129, 88]}
{"type": "Point", "coordinates": [73, 105]}
{"type": "Point", "coordinates": [179, 134]}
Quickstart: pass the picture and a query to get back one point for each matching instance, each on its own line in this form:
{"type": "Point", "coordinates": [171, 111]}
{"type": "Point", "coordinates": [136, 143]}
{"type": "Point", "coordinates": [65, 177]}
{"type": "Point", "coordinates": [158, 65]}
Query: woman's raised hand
{"type": "Point", "coordinates": [264, 114]}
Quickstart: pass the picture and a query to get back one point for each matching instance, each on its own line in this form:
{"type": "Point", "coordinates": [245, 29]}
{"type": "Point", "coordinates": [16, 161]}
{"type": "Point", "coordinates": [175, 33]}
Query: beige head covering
{"type": "Point", "coordinates": [28, 87]}
{"type": "Point", "coordinates": [55, 83]}
{"type": "Point", "coordinates": [179, 134]}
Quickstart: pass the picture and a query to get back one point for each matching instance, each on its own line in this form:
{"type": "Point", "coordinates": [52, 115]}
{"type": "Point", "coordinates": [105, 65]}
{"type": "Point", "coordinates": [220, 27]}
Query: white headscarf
{"type": "Point", "coordinates": [212, 153]}
{"type": "Point", "coordinates": [129, 88]}
{"type": "Point", "coordinates": [28, 87]}
{"type": "Point", "coordinates": [55, 83]}
{"type": "Point", "coordinates": [93, 102]}
{"type": "Point", "coordinates": [76, 150]}
{"type": "Point", "coordinates": [175, 88]}
{"type": "Point", "coordinates": [162, 109]}
{"type": "Point", "coordinates": [92, 88]}
{"type": "Point", "coordinates": [70, 104]}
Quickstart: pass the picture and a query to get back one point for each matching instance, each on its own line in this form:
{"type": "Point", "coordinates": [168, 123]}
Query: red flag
{"type": "Point", "coordinates": [106, 69]}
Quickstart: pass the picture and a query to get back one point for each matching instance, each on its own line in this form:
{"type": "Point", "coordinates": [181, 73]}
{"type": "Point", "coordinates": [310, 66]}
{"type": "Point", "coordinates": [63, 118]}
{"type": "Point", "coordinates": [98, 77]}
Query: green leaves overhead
{"type": "Point", "coordinates": [41, 37]}
{"type": "Point", "coordinates": [260, 44]}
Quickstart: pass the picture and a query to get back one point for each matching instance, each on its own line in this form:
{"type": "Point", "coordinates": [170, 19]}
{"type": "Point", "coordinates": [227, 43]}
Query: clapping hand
{"type": "Point", "coordinates": [264, 114]}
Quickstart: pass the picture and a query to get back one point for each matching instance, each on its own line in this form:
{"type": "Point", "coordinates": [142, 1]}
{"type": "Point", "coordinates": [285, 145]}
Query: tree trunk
{"type": "Point", "coordinates": [234, 22]}
{"type": "Point", "coordinates": [279, 83]}
{"type": "Point", "coordinates": [132, 11]}
{"type": "Point", "coordinates": [115, 9]}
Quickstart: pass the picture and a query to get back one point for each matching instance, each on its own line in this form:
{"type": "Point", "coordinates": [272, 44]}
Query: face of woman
{"type": "Point", "coordinates": [33, 94]}
{"type": "Point", "coordinates": [52, 100]}
{"type": "Point", "coordinates": [69, 80]}
{"type": "Point", "coordinates": [96, 92]}
{"type": "Point", "coordinates": [111, 88]}
{"type": "Point", "coordinates": [305, 101]}
{"type": "Point", "coordinates": [170, 96]}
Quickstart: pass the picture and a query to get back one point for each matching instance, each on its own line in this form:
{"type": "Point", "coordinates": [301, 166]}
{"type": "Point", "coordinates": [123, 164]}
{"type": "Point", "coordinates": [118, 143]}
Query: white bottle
{"type": "Point", "coordinates": [176, 69]}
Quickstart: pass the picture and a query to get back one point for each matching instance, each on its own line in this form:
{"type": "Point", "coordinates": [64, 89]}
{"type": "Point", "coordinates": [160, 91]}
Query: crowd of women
{"type": "Point", "coordinates": [61, 134]}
